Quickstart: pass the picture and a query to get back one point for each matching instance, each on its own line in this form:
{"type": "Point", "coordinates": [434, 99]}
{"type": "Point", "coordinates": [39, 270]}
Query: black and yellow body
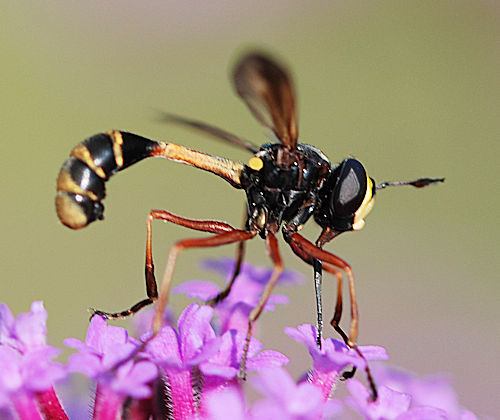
{"type": "Point", "coordinates": [281, 187]}
{"type": "Point", "coordinates": [286, 184]}
{"type": "Point", "coordinates": [290, 188]}
{"type": "Point", "coordinates": [81, 181]}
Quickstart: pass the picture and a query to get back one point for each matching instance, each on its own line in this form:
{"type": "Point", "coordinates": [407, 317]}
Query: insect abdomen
{"type": "Point", "coordinates": [80, 185]}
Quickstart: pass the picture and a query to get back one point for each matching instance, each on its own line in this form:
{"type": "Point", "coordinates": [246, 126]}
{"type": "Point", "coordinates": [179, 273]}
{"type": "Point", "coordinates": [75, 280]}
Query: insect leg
{"type": "Point", "coordinates": [314, 252]}
{"type": "Point", "coordinates": [240, 252]}
{"type": "Point", "coordinates": [332, 270]}
{"type": "Point", "coordinates": [151, 287]}
{"type": "Point", "coordinates": [274, 253]}
{"type": "Point", "coordinates": [322, 255]}
{"type": "Point", "coordinates": [225, 238]}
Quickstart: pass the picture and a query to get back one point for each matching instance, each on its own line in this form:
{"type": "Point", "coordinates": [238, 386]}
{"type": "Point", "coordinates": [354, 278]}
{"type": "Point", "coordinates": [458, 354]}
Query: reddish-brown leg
{"type": "Point", "coordinates": [225, 238]}
{"type": "Point", "coordinates": [151, 287]}
{"type": "Point", "coordinates": [274, 253]}
{"type": "Point", "coordinates": [308, 248]}
{"type": "Point", "coordinates": [332, 270]}
{"type": "Point", "coordinates": [237, 268]}
{"type": "Point", "coordinates": [240, 252]}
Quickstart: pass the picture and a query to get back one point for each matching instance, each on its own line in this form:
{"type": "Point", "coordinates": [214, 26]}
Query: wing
{"type": "Point", "coordinates": [210, 129]}
{"type": "Point", "coordinates": [267, 89]}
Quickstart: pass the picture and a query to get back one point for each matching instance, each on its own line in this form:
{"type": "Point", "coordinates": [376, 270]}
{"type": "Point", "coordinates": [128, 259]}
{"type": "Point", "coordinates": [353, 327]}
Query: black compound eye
{"type": "Point", "coordinates": [350, 188]}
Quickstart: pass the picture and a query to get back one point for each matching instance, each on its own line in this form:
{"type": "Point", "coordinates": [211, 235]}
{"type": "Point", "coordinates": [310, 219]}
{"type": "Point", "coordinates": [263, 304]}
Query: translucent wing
{"type": "Point", "coordinates": [267, 89]}
{"type": "Point", "coordinates": [211, 130]}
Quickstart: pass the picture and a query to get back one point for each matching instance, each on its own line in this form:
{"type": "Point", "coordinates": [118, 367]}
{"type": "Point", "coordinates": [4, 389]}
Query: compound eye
{"type": "Point", "coordinates": [350, 188]}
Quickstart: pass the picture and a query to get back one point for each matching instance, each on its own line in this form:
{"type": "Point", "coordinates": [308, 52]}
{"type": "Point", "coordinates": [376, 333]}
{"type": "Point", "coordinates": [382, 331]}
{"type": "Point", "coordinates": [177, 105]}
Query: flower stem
{"type": "Point", "coordinates": [50, 406]}
{"type": "Point", "coordinates": [138, 409]}
{"type": "Point", "coordinates": [25, 407]}
{"type": "Point", "coordinates": [181, 392]}
{"type": "Point", "coordinates": [325, 381]}
{"type": "Point", "coordinates": [108, 404]}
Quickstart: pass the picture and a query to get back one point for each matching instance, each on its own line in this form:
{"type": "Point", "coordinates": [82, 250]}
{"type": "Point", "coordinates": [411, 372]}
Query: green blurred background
{"type": "Point", "coordinates": [409, 88]}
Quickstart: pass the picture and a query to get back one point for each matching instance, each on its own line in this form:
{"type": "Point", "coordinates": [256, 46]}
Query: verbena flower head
{"type": "Point", "coordinates": [194, 358]}
{"type": "Point", "coordinates": [27, 373]}
{"type": "Point", "coordinates": [430, 391]}
{"type": "Point", "coordinates": [286, 399]}
{"type": "Point", "coordinates": [26, 361]}
{"type": "Point", "coordinates": [25, 333]}
{"type": "Point", "coordinates": [232, 312]}
{"type": "Point", "coordinates": [333, 356]}
{"type": "Point", "coordinates": [105, 357]}
{"type": "Point", "coordinates": [225, 362]}
{"type": "Point", "coordinates": [193, 342]}
{"type": "Point", "coordinates": [191, 371]}
{"type": "Point", "coordinates": [226, 404]}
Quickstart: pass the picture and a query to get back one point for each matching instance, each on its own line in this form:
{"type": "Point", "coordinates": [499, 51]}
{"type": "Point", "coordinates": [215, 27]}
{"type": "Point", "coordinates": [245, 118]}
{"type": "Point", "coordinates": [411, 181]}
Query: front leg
{"type": "Point", "coordinates": [308, 251]}
{"type": "Point", "coordinates": [274, 253]}
{"type": "Point", "coordinates": [225, 238]}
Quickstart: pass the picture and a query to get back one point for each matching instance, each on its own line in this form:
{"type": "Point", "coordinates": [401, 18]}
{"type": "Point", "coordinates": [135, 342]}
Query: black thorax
{"type": "Point", "coordinates": [285, 188]}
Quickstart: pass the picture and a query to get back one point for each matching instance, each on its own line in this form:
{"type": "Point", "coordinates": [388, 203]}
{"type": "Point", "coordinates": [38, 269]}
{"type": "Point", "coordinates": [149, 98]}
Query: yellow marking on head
{"type": "Point", "coordinates": [255, 163]}
{"type": "Point", "coordinates": [117, 139]}
{"type": "Point", "coordinates": [81, 152]}
{"type": "Point", "coordinates": [365, 207]}
{"type": "Point", "coordinates": [360, 224]}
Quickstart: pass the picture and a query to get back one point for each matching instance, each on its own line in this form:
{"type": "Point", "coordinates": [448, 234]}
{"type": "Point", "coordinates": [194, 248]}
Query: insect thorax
{"type": "Point", "coordinates": [279, 183]}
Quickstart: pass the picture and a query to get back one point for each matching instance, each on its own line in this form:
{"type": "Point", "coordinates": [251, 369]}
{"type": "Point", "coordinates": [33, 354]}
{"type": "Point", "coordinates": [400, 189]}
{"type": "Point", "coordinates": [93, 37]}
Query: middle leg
{"type": "Point", "coordinates": [237, 268]}
{"type": "Point", "coordinates": [335, 322]}
{"type": "Point", "coordinates": [240, 252]}
{"type": "Point", "coordinates": [274, 253]}
{"type": "Point", "coordinates": [297, 241]}
{"type": "Point", "coordinates": [225, 238]}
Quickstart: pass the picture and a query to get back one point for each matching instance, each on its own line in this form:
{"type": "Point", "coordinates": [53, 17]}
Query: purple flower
{"type": "Point", "coordinates": [28, 371]}
{"type": "Point", "coordinates": [389, 405]}
{"type": "Point", "coordinates": [225, 363]}
{"type": "Point", "coordinates": [104, 356]}
{"type": "Point", "coordinates": [196, 346]}
{"type": "Point", "coordinates": [332, 357]}
{"type": "Point", "coordinates": [228, 404]}
{"type": "Point", "coordinates": [431, 391]}
{"type": "Point", "coordinates": [142, 321]}
{"type": "Point", "coordinates": [26, 332]}
{"type": "Point", "coordinates": [194, 342]}
{"type": "Point", "coordinates": [392, 403]}
{"type": "Point", "coordinates": [191, 371]}
{"type": "Point", "coordinates": [233, 311]}
{"type": "Point", "coordinates": [178, 352]}
{"type": "Point", "coordinates": [225, 267]}
{"type": "Point", "coordinates": [333, 354]}
{"type": "Point", "coordinates": [285, 399]}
